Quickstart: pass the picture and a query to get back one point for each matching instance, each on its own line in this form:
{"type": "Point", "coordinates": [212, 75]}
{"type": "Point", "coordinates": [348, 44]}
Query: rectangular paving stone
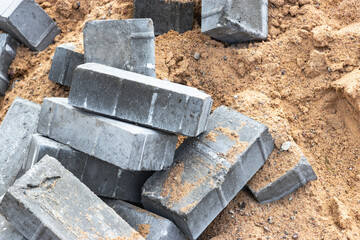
{"type": "Point", "coordinates": [8, 48]}
{"type": "Point", "coordinates": [103, 178]}
{"type": "Point", "coordinates": [208, 171]}
{"type": "Point", "coordinates": [49, 202]}
{"type": "Point", "coordinates": [126, 44]}
{"type": "Point", "coordinates": [167, 15]}
{"type": "Point", "coordinates": [124, 145]}
{"type": "Point", "coordinates": [65, 61]}
{"type": "Point", "coordinates": [27, 22]}
{"type": "Point", "coordinates": [140, 99]}
{"type": "Point", "coordinates": [267, 188]}
{"type": "Point", "coordinates": [149, 225]}
{"type": "Point", "coordinates": [8, 232]}
{"type": "Point", "coordinates": [235, 21]}
{"type": "Point", "coordinates": [15, 135]}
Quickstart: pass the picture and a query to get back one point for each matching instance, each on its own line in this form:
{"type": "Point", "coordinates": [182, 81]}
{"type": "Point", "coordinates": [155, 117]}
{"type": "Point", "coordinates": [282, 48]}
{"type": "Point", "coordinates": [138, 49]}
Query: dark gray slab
{"type": "Point", "coordinates": [103, 178]}
{"type": "Point", "coordinates": [140, 99]}
{"type": "Point", "coordinates": [49, 202]}
{"type": "Point", "coordinates": [235, 21]}
{"type": "Point", "coordinates": [166, 15]}
{"type": "Point", "coordinates": [8, 232]}
{"type": "Point", "coordinates": [208, 171]}
{"type": "Point", "coordinates": [15, 136]}
{"type": "Point", "coordinates": [26, 21]}
{"type": "Point", "coordinates": [8, 48]}
{"type": "Point", "coordinates": [126, 44]}
{"type": "Point", "coordinates": [286, 184]}
{"type": "Point", "coordinates": [159, 228]}
{"type": "Point", "coordinates": [65, 61]}
{"type": "Point", "coordinates": [125, 145]}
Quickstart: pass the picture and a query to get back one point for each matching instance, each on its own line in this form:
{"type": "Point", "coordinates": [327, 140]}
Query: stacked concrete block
{"type": "Point", "coordinates": [167, 15]}
{"type": "Point", "coordinates": [8, 232]}
{"type": "Point", "coordinates": [48, 202]}
{"type": "Point", "coordinates": [26, 21]}
{"type": "Point", "coordinates": [126, 44]}
{"type": "Point", "coordinates": [292, 179]}
{"type": "Point", "coordinates": [235, 21]}
{"type": "Point", "coordinates": [15, 135]}
{"type": "Point", "coordinates": [208, 171]}
{"type": "Point", "coordinates": [124, 145]}
{"type": "Point", "coordinates": [8, 48]}
{"type": "Point", "coordinates": [140, 99]}
{"type": "Point", "coordinates": [65, 61]}
{"type": "Point", "coordinates": [154, 226]}
{"type": "Point", "coordinates": [103, 178]}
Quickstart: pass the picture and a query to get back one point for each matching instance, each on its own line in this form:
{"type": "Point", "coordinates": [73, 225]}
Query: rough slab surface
{"type": "Point", "coordinates": [8, 48]}
{"type": "Point", "coordinates": [235, 21]}
{"type": "Point", "coordinates": [8, 232]}
{"type": "Point", "coordinates": [166, 15]}
{"type": "Point", "coordinates": [126, 44]}
{"type": "Point", "coordinates": [127, 146]}
{"type": "Point", "coordinates": [65, 61]}
{"type": "Point", "coordinates": [48, 202]}
{"type": "Point", "coordinates": [209, 171]}
{"type": "Point", "coordinates": [26, 21]}
{"type": "Point", "coordinates": [15, 137]}
{"type": "Point", "coordinates": [265, 191]}
{"type": "Point", "coordinates": [103, 178]}
{"type": "Point", "coordinates": [140, 99]}
{"type": "Point", "coordinates": [149, 225]}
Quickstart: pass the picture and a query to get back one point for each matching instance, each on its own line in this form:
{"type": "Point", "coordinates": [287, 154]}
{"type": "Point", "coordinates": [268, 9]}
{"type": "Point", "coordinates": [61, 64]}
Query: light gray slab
{"type": "Point", "coordinates": [208, 171]}
{"type": "Point", "coordinates": [103, 178]}
{"type": "Point", "coordinates": [8, 48]}
{"type": "Point", "coordinates": [15, 135]}
{"type": "Point", "coordinates": [235, 21]}
{"type": "Point", "coordinates": [159, 228]}
{"type": "Point", "coordinates": [8, 232]}
{"type": "Point", "coordinates": [49, 202]}
{"type": "Point", "coordinates": [140, 99]}
{"type": "Point", "coordinates": [166, 15]}
{"type": "Point", "coordinates": [126, 44]}
{"type": "Point", "coordinates": [125, 145]}
{"type": "Point", "coordinates": [27, 22]}
{"type": "Point", "coordinates": [65, 61]}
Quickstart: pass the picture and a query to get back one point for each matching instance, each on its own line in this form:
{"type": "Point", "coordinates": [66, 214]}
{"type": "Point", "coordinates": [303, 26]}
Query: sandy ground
{"type": "Point", "coordinates": [289, 82]}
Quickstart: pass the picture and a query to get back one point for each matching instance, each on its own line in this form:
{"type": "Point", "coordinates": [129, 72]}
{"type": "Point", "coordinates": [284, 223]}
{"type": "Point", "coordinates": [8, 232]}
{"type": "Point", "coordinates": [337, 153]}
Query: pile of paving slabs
{"type": "Point", "coordinates": [73, 168]}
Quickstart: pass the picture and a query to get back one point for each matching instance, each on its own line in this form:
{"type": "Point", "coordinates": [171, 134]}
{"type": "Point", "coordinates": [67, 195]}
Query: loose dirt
{"type": "Point", "coordinates": [312, 44]}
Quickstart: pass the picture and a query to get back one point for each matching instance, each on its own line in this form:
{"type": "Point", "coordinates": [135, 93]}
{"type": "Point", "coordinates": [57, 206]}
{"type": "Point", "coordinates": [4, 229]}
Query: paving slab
{"type": "Point", "coordinates": [15, 136]}
{"type": "Point", "coordinates": [208, 171]}
{"type": "Point", "coordinates": [235, 21]}
{"type": "Point", "coordinates": [149, 225]}
{"type": "Point", "coordinates": [126, 44]}
{"type": "Point", "coordinates": [104, 179]}
{"type": "Point", "coordinates": [8, 48]}
{"type": "Point", "coordinates": [167, 15]}
{"type": "Point", "coordinates": [8, 232]}
{"type": "Point", "coordinates": [27, 22]}
{"type": "Point", "coordinates": [268, 188]}
{"type": "Point", "coordinates": [49, 202]}
{"type": "Point", "coordinates": [65, 61]}
{"type": "Point", "coordinates": [122, 144]}
{"type": "Point", "coordinates": [143, 100]}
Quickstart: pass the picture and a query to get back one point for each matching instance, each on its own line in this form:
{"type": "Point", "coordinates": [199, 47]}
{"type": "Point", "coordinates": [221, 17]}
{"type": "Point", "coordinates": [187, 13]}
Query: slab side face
{"type": "Point", "coordinates": [103, 178]}
{"type": "Point", "coordinates": [235, 21]}
{"type": "Point", "coordinates": [126, 44]}
{"type": "Point", "coordinates": [209, 171]}
{"type": "Point", "coordinates": [15, 136]}
{"type": "Point", "coordinates": [124, 145]}
{"type": "Point", "coordinates": [139, 99]}
{"type": "Point", "coordinates": [166, 15]}
{"type": "Point", "coordinates": [48, 202]}
{"type": "Point", "coordinates": [8, 47]}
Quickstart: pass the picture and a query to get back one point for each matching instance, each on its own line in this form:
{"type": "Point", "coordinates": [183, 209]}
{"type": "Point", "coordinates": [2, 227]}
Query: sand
{"type": "Point", "coordinates": [311, 45]}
